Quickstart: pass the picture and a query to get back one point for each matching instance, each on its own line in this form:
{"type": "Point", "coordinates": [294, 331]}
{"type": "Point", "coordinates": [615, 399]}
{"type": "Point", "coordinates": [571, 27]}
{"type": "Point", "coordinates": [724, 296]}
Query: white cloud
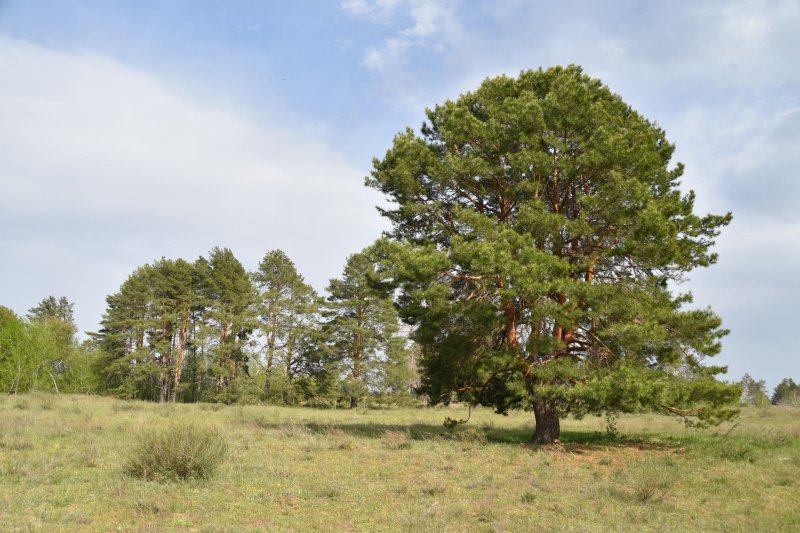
{"type": "Point", "coordinates": [434, 23]}
{"type": "Point", "coordinates": [106, 167]}
{"type": "Point", "coordinates": [376, 10]}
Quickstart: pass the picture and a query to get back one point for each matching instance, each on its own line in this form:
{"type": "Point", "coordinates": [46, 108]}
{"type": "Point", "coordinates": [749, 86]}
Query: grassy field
{"type": "Point", "coordinates": [62, 469]}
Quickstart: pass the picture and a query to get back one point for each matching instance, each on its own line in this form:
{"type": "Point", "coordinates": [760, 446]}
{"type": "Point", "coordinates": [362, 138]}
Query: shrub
{"type": "Point", "coordinates": [649, 483]}
{"type": "Point", "coordinates": [183, 451]}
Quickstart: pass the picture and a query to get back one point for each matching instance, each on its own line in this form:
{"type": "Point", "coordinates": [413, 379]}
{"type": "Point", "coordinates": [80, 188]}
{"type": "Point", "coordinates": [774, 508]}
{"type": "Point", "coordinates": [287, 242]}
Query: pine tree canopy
{"type": "Point", "coordinates": [538, 235]}
{"type": "Point", "coordinates": [362, 324]}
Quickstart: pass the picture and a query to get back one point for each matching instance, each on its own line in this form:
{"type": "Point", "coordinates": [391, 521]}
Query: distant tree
{"type": "Point", "coordinates": [288, 312]}
{"type": "Point", "coordinates": [130, 369]}
{"type": "Point", "coordinates": [754, 392]}
{"type": "Point", "coordinates": [57, 316]}
{"type": "Point", "coordinates": [7, 316]}
{"type": "Point", "coordinates": [173, 296]}
{"type": "Point", "coordinates": [786, 392]}
{"type": "Point", "coordinates": [537, 231]}
{"type": "Point", "coordinates": [399, 377]}
{"type": "Point", "coordinates": [362, 324]}
{"type": "Point", "coordinates": [31, 354]}
{"type": "Point", "coordinates": [174, 317]}
{"type": "Point", "coordinates": [14, 363]}
{"type": "Point", "coordinates": [52, 308]}
{"type": "Point", "coordinates": [230, 299]}
{"type": "Point", "coordinates": [83, 370]}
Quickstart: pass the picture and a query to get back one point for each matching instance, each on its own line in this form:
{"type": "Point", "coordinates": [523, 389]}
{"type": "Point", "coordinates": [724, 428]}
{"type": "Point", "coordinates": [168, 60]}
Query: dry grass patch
{"type": "Point", "coordinates": [292, 469]}
{"type": "Point", "coordinates": [397, 440]}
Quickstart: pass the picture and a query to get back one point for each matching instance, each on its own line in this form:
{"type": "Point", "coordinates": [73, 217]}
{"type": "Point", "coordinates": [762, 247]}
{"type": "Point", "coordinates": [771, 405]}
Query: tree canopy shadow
{"type": "Point", "coordinates": [574, 441]}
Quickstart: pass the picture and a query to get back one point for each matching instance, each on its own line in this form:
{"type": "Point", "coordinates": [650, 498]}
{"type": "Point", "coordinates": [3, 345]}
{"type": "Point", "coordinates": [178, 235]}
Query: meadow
{"type": "Point", "coordinates": [62, 468]}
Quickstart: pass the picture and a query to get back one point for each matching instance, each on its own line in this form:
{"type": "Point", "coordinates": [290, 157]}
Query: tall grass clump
{"type": "Point", "coordinates": [650, 482]}
{"type": "Point", "coordinates": [182, 451]}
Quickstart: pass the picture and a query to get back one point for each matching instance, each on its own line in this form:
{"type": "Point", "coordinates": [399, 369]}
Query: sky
{"type": "Point", "coordinates": [131, 131]}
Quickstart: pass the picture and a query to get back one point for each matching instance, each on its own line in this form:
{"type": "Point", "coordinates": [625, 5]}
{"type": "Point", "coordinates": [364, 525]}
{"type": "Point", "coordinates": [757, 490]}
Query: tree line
{"type": "Point", "coordinates": [297, 353]}
{"type": "Point", "coordinates": [208, 330]}
{"type": "Point", "coordinates": [754, 392]}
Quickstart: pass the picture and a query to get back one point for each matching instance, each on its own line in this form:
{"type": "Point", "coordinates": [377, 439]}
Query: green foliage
{"type": "Point", "coordinates": [56, 315]}
{"type": "Point", "coordinates": [754, 392]}
{"type": "Point", "coordinates": [209, 331]}
{"type": "Point", "coordinates": [179, 452]}
{"type": "Point", "coordinates": [363, 332]}
{"type": "Point", "coordinates": [82, 372]}
{"type": "Point", "coordinates": [13, 361]}
{"type": "Point", "coordinates": [35, 354]}
{"type": "Point", "coordinates": [289, 322]}
{"type": "Point", "coordinates": [787, 392]}
{"type": "Point", "coordinates": [52, 308]}
{"type": "Point", "coordinates": [174, 320]}
{"type": "Point", "coordinates": [537, 226]}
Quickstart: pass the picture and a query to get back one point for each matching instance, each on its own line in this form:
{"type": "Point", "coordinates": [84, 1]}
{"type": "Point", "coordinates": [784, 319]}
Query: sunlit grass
{"type": "Point", "coordinates": [62, 469]}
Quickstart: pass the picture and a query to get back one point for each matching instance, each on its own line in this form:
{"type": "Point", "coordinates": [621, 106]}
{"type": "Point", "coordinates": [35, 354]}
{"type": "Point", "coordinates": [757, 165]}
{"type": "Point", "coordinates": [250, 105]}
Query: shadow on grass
{"type": "Point", "coordinates": [573, 441]}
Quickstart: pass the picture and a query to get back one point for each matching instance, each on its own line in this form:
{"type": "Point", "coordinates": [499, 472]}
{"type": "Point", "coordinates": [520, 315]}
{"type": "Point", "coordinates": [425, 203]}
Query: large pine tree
{"type": "Point", "coordinates": [538, 229]}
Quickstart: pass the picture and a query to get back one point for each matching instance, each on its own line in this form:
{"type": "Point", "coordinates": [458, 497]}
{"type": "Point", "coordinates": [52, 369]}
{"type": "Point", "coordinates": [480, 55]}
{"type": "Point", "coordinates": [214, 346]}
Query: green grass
{"type": "Point", "coordinates": [62, 468]}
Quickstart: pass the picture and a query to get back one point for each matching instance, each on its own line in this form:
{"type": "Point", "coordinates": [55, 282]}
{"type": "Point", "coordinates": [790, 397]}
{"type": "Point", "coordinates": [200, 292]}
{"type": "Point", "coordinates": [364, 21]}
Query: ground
{"type": "Point", "coordinates": [296, 469]}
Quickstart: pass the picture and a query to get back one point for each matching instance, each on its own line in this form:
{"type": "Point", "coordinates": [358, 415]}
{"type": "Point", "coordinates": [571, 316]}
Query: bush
{"type": "Point", "coordinates": [183, 451]}
{"type": "Point", "coordinates": [649, 483]}
{"type": "Point", "coordinates": [646, 482]}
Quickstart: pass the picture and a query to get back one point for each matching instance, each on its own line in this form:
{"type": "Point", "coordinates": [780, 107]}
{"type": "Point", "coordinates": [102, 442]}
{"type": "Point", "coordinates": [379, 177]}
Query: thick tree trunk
{"type": "Point", "coordinates": [548, 427]}
{"type": "Point", "coordinates": [353, 402]}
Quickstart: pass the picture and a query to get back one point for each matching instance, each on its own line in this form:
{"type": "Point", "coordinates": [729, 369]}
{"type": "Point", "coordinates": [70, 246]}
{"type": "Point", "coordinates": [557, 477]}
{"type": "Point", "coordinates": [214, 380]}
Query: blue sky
{"type": "Point", "coordinates": [135, 130]}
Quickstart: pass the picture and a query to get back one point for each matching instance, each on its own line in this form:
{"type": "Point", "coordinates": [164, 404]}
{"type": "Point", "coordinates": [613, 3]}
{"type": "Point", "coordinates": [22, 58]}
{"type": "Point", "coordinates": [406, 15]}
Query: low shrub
{"type": "Point", "coordinates": [182, 451]}
{"type": "Point", "coordinates": [736, 450]}
{"type": "Point", "coordinates": [649, 483]}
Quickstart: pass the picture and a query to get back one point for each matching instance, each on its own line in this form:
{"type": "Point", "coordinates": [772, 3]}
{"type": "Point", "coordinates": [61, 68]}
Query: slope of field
{"type": "Point", "coordinates": [62, 457]}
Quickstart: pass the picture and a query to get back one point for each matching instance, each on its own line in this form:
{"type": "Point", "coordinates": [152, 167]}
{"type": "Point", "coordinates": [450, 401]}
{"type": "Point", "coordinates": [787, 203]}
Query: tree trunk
{"type": "Point", "coordinates": [511, 324]}
{"type": "Point", "coordinates": [356, 367]}
{"type": "Point", "coordinates": [548, 427]}
{"type": "Point", "coordinates": [268, 382]}
{"type": "Point", "coordinates": [163, 390]}
{"type": "Point", "coordinates": [182, 334]}
{"type": "Point", "coordinates": [270, 354]}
